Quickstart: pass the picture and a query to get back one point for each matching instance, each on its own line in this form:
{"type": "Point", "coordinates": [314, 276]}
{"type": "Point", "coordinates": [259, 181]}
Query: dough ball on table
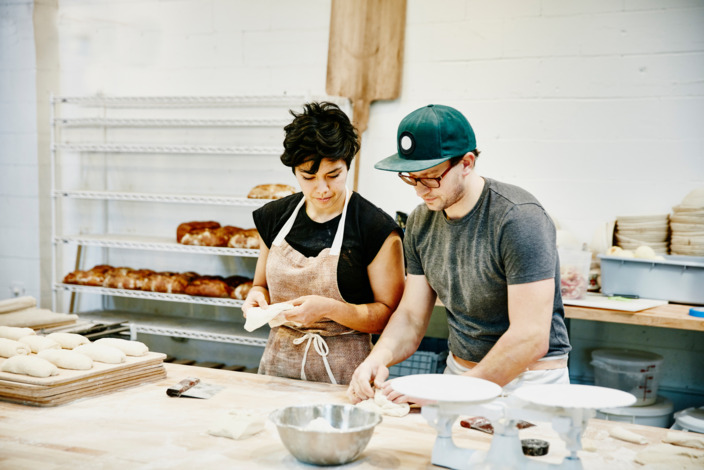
{"type": "Point", "coordinates": [39, 343]}
{"type": "Point", "coordinates": [102, 353]}
{"type": "Point", "coordinates": [238, 424]}
{"type": "Point", "coordinates": [381, 404]}
{"type": "Point", "coordinates": [130, 348]}
{"type": "Point", "coordinates": [10, 347]}
{"type": "Point", "coordinates": [68, 340]}
{"type": "Point", "coordinates": [14, 332]}
{"type": "Point", "coordinates": [66, 359]}
{"type": "Point", "coordinates": [29, 365]}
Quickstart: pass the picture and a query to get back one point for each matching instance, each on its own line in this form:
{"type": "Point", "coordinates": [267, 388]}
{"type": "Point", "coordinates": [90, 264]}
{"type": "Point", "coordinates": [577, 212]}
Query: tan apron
{"type": "Point", "coordinates": [289, 274]}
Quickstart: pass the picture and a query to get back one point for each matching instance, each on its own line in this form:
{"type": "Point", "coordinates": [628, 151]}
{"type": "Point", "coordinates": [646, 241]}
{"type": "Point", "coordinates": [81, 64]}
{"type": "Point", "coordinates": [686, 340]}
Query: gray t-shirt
{"type": "Point", "coordinates": [507, 238]}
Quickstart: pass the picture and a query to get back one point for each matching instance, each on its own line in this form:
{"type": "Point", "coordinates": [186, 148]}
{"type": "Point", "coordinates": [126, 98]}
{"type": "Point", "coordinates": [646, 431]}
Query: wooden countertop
{"type": "Point", "coordinates": [664, 316]}
{"type": "Point", "coordinates": [141, 427]}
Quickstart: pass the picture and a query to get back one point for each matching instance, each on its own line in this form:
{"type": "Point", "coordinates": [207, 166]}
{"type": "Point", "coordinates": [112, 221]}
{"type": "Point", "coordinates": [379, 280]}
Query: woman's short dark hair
{"type": "Point", "coordinates": [321, 131]}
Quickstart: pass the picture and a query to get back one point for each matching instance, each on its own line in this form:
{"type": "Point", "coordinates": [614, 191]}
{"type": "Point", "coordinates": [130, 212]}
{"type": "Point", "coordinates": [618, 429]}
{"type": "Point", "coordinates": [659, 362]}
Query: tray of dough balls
{"type": "Point", "coordinates": [53, 369]}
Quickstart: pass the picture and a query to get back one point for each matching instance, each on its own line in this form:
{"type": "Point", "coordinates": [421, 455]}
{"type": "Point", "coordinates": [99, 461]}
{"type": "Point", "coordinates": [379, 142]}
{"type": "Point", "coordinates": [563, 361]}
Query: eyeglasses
{"type": "Point", "coordinates": [427, 182]}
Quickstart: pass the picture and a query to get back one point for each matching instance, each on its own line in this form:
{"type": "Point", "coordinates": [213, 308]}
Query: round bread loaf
{"type": "Point", "coordinates": [186, 227]}
{"type": "Point", "coordinates": [247, 239]}
{"type": "Point", "coordinates": [271, 191]}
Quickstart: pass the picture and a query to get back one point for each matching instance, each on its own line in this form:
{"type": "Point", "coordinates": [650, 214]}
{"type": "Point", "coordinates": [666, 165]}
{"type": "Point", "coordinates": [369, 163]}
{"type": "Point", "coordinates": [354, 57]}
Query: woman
{"type": "Point", "coordinates": [333, 255]}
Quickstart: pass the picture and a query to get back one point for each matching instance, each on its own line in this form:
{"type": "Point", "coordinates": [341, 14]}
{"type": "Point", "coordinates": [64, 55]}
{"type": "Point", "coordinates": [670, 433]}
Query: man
{"type": "Point", "coordinates": [488, 251]}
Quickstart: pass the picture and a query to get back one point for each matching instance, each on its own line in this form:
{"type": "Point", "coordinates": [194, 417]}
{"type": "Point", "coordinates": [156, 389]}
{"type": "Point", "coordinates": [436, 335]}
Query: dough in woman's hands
{"type": "Point", "coordinates": [131, 348]}
{"type": "Point", "coordinates": [15, 332]}
{"type": "Point", "coordinates": [102, 353]}
{"type": "Point", "coordinates": [238, 424]}
{"type": "Point", "coordinates": [29, 365]}
{"type": "Point", "coordinates": [381, 404]}
{"type": "Point", "coordinates": [68, 340]}
{"type": "Point", "coordinates": [66, 359]}
{"type": "Point", "coordinates": [10, 347]}
{"type": "Point", "coordinates": [625, 435]}
{"type": "Point", "coordinates": [39, 343]}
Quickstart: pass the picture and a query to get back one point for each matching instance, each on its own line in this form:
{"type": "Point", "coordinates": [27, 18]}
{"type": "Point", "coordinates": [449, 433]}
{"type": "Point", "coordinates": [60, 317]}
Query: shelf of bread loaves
{"type": "Point", "coordinates": [169, 149]}
{"type": "Point", "coordinates": [187, 287]}
{"type": "Point", "coordinates": [143, 242]}
{"type": "Point", "coordinates": [166, 198]}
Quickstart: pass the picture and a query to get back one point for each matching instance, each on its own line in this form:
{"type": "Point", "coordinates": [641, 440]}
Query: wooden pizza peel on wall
{"type": "Point", "coordinates": [365, 55]}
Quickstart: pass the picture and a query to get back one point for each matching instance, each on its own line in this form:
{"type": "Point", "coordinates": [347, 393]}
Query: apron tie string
{"type": "Point", "coordinates": [321, 347]}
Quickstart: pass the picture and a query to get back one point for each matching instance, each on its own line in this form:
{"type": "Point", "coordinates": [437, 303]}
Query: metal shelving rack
{"type": "Point", "coordinates": [61, 123]}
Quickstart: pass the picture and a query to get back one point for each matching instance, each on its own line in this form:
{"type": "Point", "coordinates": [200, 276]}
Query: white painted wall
{"type": "Point", "coordinates": [19, 167]}
{"type": "Point", "coordinates": [596, 107]}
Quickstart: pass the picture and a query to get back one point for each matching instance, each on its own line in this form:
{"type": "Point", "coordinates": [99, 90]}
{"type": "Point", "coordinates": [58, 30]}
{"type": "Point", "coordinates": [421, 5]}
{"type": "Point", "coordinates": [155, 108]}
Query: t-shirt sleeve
{"type": "Point", "coordinates": [272, 216]}
{"type": "Point", "coordinates": [528, 244]}
{"type": "Point", "coordinates": [413, 264]}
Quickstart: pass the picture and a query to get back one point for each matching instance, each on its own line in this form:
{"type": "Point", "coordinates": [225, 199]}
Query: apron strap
{"type": "Point", "coordinates": [321, 347]}
{"type": "Point", "coordinates": [289, 223]}
{"type": "Point", "coordinates": [336, 247]}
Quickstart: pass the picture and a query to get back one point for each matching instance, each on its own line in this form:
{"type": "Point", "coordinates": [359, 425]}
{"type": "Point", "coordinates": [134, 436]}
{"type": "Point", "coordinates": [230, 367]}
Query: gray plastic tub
{"type": "Point", "coordinates": [676, 279]}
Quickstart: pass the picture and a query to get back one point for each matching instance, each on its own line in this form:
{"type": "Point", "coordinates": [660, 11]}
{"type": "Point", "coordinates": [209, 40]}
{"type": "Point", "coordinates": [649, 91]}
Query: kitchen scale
{"type": "Point", "coordinates": [567, 407]}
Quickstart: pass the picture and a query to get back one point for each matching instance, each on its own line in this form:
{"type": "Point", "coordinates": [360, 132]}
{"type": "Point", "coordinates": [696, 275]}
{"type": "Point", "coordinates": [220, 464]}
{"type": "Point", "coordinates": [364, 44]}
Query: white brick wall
{"type": "Point", "coordinates": [596, 107]}
{"type": "Point", "coordinates": [19, 200]}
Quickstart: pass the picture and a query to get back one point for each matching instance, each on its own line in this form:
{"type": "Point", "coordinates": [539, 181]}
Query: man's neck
{"type": "Point", "coordinates": [474, 185]}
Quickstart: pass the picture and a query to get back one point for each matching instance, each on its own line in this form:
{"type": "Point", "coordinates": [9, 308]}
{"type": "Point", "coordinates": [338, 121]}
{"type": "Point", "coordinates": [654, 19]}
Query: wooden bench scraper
{"type": "Point", "coordinates": [192, 387]}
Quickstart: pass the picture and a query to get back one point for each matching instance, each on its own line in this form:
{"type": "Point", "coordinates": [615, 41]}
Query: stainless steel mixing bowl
{"type": "Point", "coordinates": [353, 430]}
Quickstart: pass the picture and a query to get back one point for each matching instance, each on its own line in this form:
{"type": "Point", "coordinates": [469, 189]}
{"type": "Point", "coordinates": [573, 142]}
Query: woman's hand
{"type": "Point", "coordinates": [255, 298]}
{"type": "Point", "coordinates": [310, 309]}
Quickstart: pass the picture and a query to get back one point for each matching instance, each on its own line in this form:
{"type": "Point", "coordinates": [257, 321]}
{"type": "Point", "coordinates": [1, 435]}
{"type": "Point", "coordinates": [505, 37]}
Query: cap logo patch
{"type": "Point", "coordinates": [406, 143]}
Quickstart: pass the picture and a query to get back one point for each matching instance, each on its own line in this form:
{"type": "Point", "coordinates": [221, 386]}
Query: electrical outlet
{"type": "Point", "coordinates": [17, 289]}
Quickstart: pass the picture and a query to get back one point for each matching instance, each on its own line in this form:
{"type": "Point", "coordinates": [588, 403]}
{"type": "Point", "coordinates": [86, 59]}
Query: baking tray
{"type": "Point", "coordinates": [676, 278]}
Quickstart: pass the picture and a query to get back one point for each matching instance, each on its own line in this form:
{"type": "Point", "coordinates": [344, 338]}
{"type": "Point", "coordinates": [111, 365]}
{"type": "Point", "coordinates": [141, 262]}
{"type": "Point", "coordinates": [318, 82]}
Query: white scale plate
{"type": "Point", "coordinates": [446, 388]}
{"type": "Point", "coordinates": [574, 396]}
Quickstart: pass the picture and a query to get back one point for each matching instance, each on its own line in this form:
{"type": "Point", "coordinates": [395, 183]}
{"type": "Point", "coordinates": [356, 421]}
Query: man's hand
{"type": "Point", "coordinates": [369, 375]}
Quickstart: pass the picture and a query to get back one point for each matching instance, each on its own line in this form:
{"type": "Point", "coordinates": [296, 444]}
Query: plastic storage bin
{"type": "Point", "coordinates": [658, 414]}
{"type": "Point", "coordinates": [633, 371]}
{"type": "Point", "coordinates": [676, 278]}
{"type": "Point", "coordinates": [430, 358]}
{"type": "Point", "coordinates": [690, 419]}
{"type": "Point", "coordinates": [574, 272]}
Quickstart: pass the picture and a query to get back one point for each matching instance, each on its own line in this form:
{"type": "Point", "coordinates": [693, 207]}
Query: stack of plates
{"type": "Point", "coordinates": [687, 225]}
{"type": "Point", "coordinates": [638, 230]}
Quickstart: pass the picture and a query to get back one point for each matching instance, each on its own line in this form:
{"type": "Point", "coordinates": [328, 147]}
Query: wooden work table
{"type": "Point", "coordinates": [142, 427]}
{"type": "Point", "coordinates": [664, 316]}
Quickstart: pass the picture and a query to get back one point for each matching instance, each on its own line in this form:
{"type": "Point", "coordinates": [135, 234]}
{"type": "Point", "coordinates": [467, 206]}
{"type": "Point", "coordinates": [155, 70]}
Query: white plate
{"type": "Point", "coordinates": [574, 396]}
{"type": "Point", "coordinates": [446, 388]}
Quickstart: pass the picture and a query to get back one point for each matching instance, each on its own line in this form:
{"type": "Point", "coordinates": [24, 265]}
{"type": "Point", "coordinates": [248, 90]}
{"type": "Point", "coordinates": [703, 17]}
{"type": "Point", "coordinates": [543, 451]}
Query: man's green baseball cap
{"type": "Point", "coordinates": [429, 136]}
